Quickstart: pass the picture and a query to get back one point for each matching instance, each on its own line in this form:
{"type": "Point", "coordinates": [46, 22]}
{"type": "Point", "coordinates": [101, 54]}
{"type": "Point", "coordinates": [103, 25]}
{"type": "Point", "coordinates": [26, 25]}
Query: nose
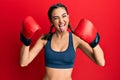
{"type": "Point", "coordinates": [61, 20]}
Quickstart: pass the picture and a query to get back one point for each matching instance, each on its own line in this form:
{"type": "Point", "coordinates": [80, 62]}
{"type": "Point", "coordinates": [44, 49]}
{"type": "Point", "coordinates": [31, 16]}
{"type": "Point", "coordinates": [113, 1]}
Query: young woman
{"type": "Point", "coordinates": [60, 47]}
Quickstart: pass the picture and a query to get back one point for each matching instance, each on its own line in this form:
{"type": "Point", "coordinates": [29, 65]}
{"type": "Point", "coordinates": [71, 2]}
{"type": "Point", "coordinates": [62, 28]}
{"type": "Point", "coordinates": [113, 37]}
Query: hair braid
{"type": "Point", "coordinates": [46, 36]}
{"type": "Point", "coordinates": [72, 30]}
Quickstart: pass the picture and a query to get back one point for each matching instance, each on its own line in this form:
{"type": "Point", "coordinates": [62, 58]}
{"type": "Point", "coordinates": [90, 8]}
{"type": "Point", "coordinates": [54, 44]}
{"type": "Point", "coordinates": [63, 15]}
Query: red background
{"type": "Point", "coordinates": [105, 14]}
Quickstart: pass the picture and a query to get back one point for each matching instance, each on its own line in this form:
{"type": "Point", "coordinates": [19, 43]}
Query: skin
{"type": "Point", "coordinates": [60, 17]}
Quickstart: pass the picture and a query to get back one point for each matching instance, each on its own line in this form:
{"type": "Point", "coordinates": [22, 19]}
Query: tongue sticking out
{"type": "Point", "coordinates": [62, 28]}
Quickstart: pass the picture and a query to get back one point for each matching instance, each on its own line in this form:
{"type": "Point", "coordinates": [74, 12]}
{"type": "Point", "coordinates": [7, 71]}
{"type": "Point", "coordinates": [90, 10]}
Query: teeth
{"type": "Point", "coordinates": [61, 25]}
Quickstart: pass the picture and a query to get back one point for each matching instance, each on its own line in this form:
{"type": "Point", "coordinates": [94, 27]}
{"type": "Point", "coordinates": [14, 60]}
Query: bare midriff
{"type": "Point", "coordinates": [58, 74]}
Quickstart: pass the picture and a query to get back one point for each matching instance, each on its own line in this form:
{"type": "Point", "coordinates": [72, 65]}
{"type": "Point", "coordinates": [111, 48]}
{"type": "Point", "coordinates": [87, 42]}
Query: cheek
{"type": "Point", "coordinates": [67, 20]}
{"type": "Point", "coordinates": [55, 23]}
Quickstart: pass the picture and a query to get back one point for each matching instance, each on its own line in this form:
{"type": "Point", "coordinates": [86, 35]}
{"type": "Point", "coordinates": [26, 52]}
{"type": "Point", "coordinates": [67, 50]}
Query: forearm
{"type": "Point", "coordinates": [29, 28]}
{"type": "Point", "coordinates": [24, 55]}
{"type": "Point", "coordinates": [98, 55]}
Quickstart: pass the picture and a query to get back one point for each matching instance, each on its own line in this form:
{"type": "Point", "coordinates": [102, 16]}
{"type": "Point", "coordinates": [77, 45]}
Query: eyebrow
{"type": "Point", "coordinates": [64, 13]}
{"type": "Point", "coordinates": [57, 16]}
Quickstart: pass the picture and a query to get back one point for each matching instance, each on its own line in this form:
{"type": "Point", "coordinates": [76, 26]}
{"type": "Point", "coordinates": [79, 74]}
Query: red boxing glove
{"type": "Point", "coordinates": [86, 31]}
{"type": "Point", "coordinates": [29, 27]}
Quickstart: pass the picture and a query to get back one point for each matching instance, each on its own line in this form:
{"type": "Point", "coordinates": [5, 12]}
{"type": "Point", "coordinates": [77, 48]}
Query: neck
{"type": "Point", "coordinates": [61, 34]}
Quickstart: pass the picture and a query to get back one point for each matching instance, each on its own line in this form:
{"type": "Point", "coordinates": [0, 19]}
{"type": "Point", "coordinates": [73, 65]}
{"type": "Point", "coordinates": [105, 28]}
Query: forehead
{"type": "Point", "coordinates": [59, 11]}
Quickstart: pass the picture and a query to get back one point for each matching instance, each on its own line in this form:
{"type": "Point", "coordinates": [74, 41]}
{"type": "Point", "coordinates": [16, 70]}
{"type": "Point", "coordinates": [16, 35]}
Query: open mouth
{"type": "Point", "coordinates": [62, 27]}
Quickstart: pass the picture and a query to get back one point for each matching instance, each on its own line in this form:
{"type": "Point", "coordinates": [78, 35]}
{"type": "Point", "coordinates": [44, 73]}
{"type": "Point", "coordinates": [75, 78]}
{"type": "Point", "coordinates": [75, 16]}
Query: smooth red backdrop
{"type": "Point", "coordinates": [105, 14]}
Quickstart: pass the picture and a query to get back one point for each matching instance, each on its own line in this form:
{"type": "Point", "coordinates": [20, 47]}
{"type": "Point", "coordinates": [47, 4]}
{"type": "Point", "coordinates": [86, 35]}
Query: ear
{"type": "Point", "coordinates": [51, 23]}
{"type": "Point", "coordinates": [68, 15]}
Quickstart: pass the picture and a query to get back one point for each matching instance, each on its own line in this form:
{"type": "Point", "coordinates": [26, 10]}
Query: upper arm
{"type": "Point", "coordinates": [84, 47]}
{"type": "Point", "coordinates": [95, 54]}
{"type": "Point", "coordinates": [36, 48]}
{"type": "Point", "coordinates": [81, 44]}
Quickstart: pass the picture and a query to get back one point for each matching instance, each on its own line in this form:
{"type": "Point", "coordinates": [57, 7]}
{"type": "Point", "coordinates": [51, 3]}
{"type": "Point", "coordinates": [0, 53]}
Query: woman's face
{"type": "Point", "coordinates": [60, 19]}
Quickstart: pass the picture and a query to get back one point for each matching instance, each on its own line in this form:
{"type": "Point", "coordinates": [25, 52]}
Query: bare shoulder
{"type": "Point", "coordinates": [41, 40]}
{"type": "Point", "coordinates": [76, 40]}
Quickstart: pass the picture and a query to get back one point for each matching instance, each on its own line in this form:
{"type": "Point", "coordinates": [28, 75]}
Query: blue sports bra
{"type": "Point", "coordinates": [56, 59]}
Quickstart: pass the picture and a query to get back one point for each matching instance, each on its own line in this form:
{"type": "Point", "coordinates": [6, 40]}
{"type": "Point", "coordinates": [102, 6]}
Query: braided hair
{"type": "Point", "coordinates": [46, 36]}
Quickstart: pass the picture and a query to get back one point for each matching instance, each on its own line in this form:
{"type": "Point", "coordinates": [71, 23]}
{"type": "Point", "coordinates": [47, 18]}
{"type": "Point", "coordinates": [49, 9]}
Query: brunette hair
{"type": "Point", "coordinates": [55, 6]}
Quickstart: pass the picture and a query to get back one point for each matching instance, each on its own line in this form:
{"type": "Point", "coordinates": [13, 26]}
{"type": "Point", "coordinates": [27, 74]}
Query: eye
{"type": "Point", "coordinates": [55, 18]}
{"type": "Point", "coordinates": [64, 16]}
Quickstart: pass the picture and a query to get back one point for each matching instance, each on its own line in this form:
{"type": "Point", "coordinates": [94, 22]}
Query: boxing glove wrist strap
{"type": "Point", "coordinates": [96, 41]}
{"type": "Point", "coordinates": [25, 41]}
